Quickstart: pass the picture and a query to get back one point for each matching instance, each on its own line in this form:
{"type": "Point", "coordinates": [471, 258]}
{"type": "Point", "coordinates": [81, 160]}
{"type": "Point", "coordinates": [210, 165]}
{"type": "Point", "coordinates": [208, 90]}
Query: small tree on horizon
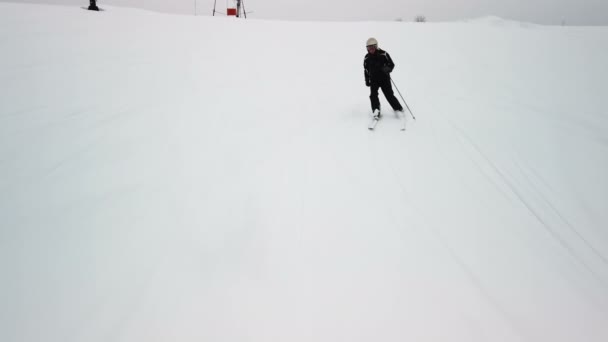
{"type": "Point", "coordinates": [420, 19]}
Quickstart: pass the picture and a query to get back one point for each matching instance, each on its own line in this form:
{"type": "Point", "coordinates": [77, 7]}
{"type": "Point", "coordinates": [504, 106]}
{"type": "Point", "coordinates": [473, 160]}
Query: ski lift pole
{"type": "Point", "coordinates": [408, 107]}
{"type": "Point", "coordinates": [244, 10]}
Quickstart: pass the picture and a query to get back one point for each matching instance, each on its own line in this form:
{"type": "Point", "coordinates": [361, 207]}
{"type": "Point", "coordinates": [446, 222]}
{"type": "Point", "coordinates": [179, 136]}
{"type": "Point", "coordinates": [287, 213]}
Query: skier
{"type": "Point", "coordinates": [377, 68]}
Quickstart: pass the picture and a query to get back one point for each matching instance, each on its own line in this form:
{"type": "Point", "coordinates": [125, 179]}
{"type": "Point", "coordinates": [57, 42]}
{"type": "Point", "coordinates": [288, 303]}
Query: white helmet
{"type": "Point", "coordinates": [371, 41]}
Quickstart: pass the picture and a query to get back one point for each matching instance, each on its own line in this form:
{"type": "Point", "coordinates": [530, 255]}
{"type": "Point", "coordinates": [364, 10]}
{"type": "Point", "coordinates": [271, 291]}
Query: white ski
{"type": "Point", "coordinates": [375, 119]}
{"type": "Point", "coordinates": [402, 118]}
{"type": "Point", "coordinates": [373, 123]}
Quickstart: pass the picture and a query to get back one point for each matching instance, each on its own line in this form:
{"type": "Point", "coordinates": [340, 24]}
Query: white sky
{"type": "Point", "coordinates": [573, 12]}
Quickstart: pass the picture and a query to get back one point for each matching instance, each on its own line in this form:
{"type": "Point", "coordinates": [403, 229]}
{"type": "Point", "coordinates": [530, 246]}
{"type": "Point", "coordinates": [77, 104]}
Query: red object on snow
{"type": "Point", "coordinates": [231, 11]}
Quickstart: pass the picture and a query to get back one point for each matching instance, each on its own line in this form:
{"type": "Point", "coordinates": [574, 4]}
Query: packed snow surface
{"type": "Point", "coordinates": [182, 178]}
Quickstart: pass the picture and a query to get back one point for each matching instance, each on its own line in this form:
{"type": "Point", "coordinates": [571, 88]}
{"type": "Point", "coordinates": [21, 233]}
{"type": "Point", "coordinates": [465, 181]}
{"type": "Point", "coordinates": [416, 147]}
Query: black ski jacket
{"type": "Point", "coordinates": [377, 67]}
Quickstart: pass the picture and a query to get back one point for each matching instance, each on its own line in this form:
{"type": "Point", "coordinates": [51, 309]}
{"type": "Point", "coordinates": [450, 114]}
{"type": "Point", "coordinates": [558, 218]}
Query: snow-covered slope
{"type": "Point", "coordinates": [176, 178]}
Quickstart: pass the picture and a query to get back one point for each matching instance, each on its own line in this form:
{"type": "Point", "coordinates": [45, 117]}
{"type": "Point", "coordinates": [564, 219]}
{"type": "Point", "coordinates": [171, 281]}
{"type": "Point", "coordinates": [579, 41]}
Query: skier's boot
{"type": "Point", "coordinates": [376, 114]}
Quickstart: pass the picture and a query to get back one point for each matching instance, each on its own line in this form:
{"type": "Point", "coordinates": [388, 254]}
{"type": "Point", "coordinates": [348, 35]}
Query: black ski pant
{"type": "Point", "coordinates": [387, 90]}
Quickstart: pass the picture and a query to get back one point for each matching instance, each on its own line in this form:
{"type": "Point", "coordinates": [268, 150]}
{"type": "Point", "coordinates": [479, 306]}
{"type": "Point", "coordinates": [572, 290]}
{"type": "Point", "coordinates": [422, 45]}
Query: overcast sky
{"type": "Point", "coordinates": [573, 12]}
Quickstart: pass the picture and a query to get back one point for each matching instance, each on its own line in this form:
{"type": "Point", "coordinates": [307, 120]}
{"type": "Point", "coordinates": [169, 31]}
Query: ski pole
{"type": "Point", "coordinates": [408, 107]}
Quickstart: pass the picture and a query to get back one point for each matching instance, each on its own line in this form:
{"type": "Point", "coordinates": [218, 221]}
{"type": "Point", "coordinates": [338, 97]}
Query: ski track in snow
{"type": "Point", "coordinates": [535, 213]}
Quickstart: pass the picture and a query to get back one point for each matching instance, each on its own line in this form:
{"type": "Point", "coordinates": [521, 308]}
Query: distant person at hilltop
{"type": "Point", "coordinates": [93, 5]}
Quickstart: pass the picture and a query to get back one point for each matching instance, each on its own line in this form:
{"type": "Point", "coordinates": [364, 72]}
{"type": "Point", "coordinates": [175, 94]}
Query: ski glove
{"type": "Point", "coordinates": [386, 69]}
{"type": "Point", "coordinates": [367, 84]}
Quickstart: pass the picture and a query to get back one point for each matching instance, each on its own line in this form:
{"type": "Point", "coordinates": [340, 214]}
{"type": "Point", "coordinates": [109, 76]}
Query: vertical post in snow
{"type": "Point", "coordinates": [244, 10]}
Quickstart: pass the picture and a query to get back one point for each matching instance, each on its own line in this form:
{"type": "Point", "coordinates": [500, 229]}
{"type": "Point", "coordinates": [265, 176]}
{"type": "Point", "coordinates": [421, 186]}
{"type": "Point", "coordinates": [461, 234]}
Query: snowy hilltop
{"type": "Point", "coordinates": [181, 178]}
{"type": "Point", "coordinates": [500, 22]}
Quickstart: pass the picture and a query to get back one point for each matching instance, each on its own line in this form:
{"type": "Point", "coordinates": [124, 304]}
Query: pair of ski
{"type": "Point", "coordinates": [376, 117]}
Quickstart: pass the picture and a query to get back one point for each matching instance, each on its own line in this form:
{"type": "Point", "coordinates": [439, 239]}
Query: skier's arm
{"type": "Point", "coordinates": [366, 72]}
{"type": "Point", "coordinates": [389, 66]}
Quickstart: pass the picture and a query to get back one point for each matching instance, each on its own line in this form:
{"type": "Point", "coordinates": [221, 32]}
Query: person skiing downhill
{"type": "Point", "coordinates": [377, 67]}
